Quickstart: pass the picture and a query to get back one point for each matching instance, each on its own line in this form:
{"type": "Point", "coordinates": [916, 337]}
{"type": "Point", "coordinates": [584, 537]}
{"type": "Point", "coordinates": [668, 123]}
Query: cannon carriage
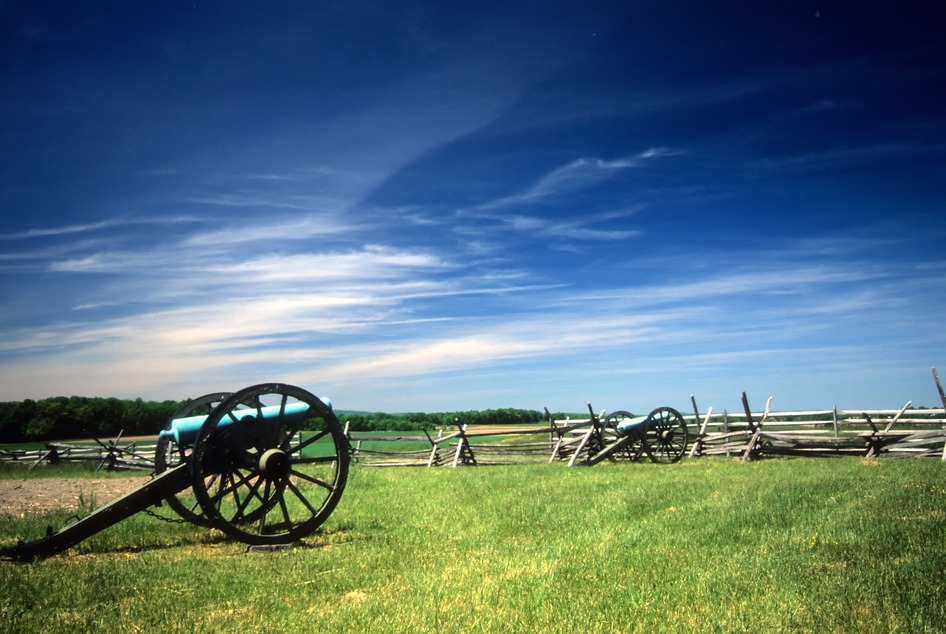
{"type": "Point", "coordinates": [265, 465]}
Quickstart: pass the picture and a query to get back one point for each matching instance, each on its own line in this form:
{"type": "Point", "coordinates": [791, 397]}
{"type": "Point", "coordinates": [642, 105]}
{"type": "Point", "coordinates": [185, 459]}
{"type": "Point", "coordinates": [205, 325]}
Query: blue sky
{"type": "Point", "coordinates": [428, 206]}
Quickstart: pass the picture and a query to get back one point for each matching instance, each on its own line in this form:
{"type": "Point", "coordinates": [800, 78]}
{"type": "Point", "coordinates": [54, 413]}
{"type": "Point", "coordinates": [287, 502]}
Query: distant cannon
{"type": "Point", "coordinates": [265, 465]}
{"type": "Point", "coordinates": [662, 435]}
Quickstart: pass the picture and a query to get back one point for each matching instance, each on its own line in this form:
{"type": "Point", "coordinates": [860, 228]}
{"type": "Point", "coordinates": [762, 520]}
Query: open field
{"type": "Point", "coordinates": [710, 545]}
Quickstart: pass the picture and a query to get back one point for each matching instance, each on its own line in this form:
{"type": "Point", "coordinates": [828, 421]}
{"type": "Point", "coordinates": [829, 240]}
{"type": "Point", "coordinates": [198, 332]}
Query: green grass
{"type": "Point", "coordinates": [415, 440]}
{"type": "Point", "coordinates": [85, 469]}
{"type": "Point", "coordinates": [708, 545]}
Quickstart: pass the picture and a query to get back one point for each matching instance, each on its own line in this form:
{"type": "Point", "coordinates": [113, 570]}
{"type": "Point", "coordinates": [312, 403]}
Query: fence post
{"type": "Point", "coordinates": [696, 421]}
{"type": "Point", "coordinates": [897, 417]}
{"type": "Point", "coordinates": [874, 441]}
{"type": "Point", "coordinates": [434, 459]}
{"type": "Point", "coordinates": [726, 428]}
{"type": "Point", "coordinates": [942, 398]}
{"type": "Point", "coordinates": [560, 433]}
{"type": "Point", "coordinates": [754, 447]}
{"type": "Point", "coordinates": [464, 450]}
{"type": "Point", "coordinates": [698, 443]}
{"type": "Point", "coordinates": [581, 445]}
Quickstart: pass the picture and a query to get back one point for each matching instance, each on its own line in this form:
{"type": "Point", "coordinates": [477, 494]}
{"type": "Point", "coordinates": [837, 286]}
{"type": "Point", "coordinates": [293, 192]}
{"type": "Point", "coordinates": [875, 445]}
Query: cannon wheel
{"type": "Point", "coordinates": [633, 450]}
{"type": "Point", "coordinates": [665, 438]}
{"type": "Point", "coordinates": [257, 480]}
{"type": "Point", "coordinates": [168, 454]}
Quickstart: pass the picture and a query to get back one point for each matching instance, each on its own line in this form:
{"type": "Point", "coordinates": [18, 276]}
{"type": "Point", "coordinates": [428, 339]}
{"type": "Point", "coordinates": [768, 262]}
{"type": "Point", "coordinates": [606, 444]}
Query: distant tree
{"type": "Point", "coordinates": [50, 420]}
{"type": "Point", "coordinates": [14, 417]}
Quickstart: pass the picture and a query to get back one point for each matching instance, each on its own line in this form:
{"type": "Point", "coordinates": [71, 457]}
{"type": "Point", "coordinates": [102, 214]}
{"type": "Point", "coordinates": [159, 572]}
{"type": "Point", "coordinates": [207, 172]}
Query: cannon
{"type": "Point", "coordinates": [266, 465]}
{"type": "Point", "coordinates": [661, 435]}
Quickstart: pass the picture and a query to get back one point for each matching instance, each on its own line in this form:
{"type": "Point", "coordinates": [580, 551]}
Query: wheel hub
{"type": "Point", "coordinates": [274, 464]}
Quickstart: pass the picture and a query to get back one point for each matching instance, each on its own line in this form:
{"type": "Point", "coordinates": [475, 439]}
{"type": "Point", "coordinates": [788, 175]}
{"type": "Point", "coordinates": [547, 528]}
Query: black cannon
{"type": "Point", "coordinates": [265, 465]}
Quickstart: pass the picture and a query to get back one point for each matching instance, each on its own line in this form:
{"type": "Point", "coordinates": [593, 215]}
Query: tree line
{"type": "Point", "coordinates": [61, 418]}
{"type": "Point", "coordinates": [416, 421]}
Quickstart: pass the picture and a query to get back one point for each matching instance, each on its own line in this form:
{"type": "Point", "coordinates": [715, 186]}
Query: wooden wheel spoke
{"type": "Point", "coordinates": [302, 498]}
{"type": "Point", "coordinates": [195, 507]}
{"type": "Point", "coordinates": [277, 425]}
{"type": "Point", "coordinates": [234, 489]}
{"type": "Point", "coordinates": [315, 460]}
{"type": "Point", "coordinates": [312, 479]}
{"type": "Point", "coordinates": [314, 438]}
{"type": "Point", "coordinates": [220, 490]}
{"type": "Point", "coordinates": [262, 518]}
{"type": "Point", "coordinates": [253, 492]}
{"type": "Point", "coordinates": [285, 510]}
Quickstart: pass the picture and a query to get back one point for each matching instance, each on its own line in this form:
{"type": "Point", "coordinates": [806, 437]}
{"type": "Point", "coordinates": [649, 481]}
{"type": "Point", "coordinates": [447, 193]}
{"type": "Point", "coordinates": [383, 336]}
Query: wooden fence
{"type": "Point", "coordinates": [919, 433]}
{"type": "Point", "coordinates": [111, 456]}
{"type": "Point", "coordinates": [868, 433]}
{"type": "Point", "coordinates": [476, 446]}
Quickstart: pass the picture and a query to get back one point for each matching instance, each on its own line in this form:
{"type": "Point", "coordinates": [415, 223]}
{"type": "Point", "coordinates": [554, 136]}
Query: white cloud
{"type": "Point", "coordinates": [111, 223]}
{"type": "Point", "coordinates": [582, 173]}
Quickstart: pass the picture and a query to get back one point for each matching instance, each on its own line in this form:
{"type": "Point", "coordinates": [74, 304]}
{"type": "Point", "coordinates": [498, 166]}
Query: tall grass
{"type": "Point", "coordinates": [707, 545]}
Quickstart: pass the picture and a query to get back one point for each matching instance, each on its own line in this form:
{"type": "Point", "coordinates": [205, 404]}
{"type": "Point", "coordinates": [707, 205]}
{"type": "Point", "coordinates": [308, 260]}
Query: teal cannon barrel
{"type": "Point", "coordinates": [183, 431]}
{"type": "Point", "coordinates": [631, 425]}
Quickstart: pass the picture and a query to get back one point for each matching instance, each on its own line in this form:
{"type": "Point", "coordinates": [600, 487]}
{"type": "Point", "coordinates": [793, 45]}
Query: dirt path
{"type": "Point", "coordinates": [33, 496]}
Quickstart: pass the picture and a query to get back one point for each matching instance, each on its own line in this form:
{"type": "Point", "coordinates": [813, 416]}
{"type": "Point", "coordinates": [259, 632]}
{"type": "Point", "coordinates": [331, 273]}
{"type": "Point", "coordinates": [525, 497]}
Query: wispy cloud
{"type": "Point", "coordinates": [252, 200]}
{"type": "Point", "coordinates": [269, 232]}
{"type": "Point", "coordinates": [572, 228]}
{"type": "Point", "coordinates": [580, 174]}
{"type": "Point", "coordinates": [111, 223]}
{"type": "Point", "coordinates": [371, 262]}
{"type": "Point", "coordinates": [849, 156]}
{"type": "Point", "coordinates": [297, 175]}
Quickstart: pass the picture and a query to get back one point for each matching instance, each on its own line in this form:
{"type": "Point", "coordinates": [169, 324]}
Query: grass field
{"type": "Point", "coordinates": [707, 545]}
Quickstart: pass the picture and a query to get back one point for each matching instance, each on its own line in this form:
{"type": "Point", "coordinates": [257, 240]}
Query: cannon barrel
{"type": "Point", "coordinates": [184, 430]}
{"type": "Point", "coordinates": [631, 424]}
